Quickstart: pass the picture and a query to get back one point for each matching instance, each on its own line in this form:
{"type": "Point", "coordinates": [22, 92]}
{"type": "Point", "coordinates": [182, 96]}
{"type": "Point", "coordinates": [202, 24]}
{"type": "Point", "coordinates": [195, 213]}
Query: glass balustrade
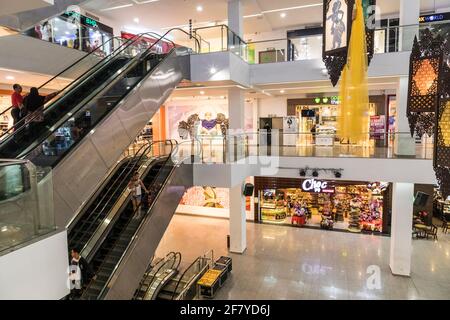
{"type": "Point", "coordinates": [26, 203]}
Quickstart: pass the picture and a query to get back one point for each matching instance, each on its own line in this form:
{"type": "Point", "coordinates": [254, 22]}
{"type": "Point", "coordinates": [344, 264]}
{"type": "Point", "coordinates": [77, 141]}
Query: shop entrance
{"type": "Point", "coordinates": [325, 204]}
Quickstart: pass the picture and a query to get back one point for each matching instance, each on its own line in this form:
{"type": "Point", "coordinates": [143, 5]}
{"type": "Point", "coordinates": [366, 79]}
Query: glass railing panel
{"type": "Point", "coordinates": [235, 148]}
{"type": "Point", "coordinates": [26, 203]}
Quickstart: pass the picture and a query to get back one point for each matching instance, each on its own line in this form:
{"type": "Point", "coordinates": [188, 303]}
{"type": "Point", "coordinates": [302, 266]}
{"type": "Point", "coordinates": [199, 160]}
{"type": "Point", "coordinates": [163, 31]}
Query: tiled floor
{"type": "Point", "coordinates": [293, 263]}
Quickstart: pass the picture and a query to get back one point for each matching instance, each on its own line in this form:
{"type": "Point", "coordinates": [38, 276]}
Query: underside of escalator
{"type": "Point", "coordinates": [78, 112]}
{"type": "Point", "coordinates": [109, 254]}
{"type": "Point", "coordinates": [97, 211]}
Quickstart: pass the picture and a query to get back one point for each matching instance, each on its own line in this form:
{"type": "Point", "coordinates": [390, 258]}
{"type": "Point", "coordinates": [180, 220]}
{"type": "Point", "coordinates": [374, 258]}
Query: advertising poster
{"type": "Point", "coordinates": [377, 126]}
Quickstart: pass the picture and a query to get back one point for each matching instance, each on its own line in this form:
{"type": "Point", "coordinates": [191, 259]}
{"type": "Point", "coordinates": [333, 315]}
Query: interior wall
{"type": "Point", "coordinates": [36, 272]}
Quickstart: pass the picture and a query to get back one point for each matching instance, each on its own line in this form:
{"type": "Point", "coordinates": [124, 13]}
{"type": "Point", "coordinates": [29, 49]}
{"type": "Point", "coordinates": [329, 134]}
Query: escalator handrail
{"type": "Point", "coordinates": [184, 273]}
{"type": "Point", "coordinates": [174, 260]}
{"type": "Point", "coordinates": [60, 73]}
{"type": "Point", "coordinates": [121, 48]}
{"type": "Point", "coordinates": [134, 213]}
{"type": "Point", "coordinates": [154, 277]}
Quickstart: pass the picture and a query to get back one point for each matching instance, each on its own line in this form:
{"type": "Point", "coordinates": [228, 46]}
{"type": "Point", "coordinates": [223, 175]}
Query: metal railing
{"type": "Point", "coordinates": [235, 147]}
{"type": "Point", "coordinates": [387, 39]}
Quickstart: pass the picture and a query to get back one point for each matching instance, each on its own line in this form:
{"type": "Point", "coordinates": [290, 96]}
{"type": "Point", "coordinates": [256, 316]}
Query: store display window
{"type": "Point", "coordinates": [325, 204]}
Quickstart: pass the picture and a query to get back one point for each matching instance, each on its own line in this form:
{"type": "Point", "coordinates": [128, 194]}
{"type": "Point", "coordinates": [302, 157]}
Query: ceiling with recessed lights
{"type": "Point", "coordinates": [260, 15]}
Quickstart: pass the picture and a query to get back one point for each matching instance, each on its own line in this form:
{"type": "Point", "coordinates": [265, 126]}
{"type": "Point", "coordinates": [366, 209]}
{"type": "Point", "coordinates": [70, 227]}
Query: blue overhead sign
{"type": "Point", "coordinates": [434, 17]}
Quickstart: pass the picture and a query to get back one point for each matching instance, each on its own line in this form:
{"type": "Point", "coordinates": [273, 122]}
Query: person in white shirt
{"type": "Point", "coordinates": [135, 188]}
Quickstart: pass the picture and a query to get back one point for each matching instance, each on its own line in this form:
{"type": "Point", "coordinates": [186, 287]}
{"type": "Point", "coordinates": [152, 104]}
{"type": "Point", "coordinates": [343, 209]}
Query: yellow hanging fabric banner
{"type": "Point", "coordinates": [353, 124]}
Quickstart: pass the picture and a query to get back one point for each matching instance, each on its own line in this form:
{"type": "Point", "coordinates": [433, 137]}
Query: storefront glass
{"type": "Point", "coordinates": [75, 31]}
{"type": "Point", "coordinates": [325, 204]}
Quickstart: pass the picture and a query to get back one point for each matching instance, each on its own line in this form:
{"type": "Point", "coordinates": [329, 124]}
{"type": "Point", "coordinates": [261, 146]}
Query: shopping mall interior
{"type": "Point", "coordinates": [225, 149]}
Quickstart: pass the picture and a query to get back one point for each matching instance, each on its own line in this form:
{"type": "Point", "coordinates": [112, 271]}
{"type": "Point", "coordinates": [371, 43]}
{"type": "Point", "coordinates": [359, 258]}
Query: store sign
{"type": "Point", "coordinates": [434, 17]}
{"type": "Point", "coordinates": [313, 185]}
{"type": "Point", "coordinates": [328, 100]}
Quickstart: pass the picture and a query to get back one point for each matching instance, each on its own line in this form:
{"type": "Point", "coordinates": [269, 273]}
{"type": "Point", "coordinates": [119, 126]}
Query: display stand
{"type": "Point", "coordinates": [325, 136]}
{"type": "Point", "coordinates": [355, 211]}
{"type": "Point", "coordinates": [214, 278]}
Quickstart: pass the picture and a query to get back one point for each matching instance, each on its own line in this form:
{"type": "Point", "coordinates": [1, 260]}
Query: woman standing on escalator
{"type": "Point", "coordinates": [135, 187]}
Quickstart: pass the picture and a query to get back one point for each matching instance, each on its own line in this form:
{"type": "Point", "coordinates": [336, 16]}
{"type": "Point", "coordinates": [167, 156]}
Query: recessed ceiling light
{"type": "Point", "coordinates": [199, 8]}
{"type": "Point", "coordinates": [136, 20]}
{"type": "Point", "coordinates": [212, 70]}
{"type": "Point", "coordinates": [67, 32]}
{"type": "Point", "coordinates": [202, 92]}
{"type": "Point", "coordinates": [9, 78]}
{"type": "Point", "coordinates": [283, 14]}
{"type": "Point", "coordinates": [282, 91]}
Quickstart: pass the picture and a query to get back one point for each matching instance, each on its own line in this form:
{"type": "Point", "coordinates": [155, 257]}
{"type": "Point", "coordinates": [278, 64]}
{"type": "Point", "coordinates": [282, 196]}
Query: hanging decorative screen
{"type": "Point", "coordinates": [337, 23]}
{"type": "Point", "coordinates": [369, 17]}
{"type": "Point", "coordinates": [425, 62]}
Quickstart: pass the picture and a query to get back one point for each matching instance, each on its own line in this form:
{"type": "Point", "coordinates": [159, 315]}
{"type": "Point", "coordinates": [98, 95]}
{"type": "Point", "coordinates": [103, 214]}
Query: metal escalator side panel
{"type": "Point", "coordinates": [85, 168]}
{"type": "Point", "coordinates": [133, 264]}
{"type": "Point", "coordinates": [155, 91]}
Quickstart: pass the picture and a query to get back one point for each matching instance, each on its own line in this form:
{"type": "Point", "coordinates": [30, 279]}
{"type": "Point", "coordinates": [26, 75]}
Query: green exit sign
{"type": "Point", "coordinates": [91, 22]}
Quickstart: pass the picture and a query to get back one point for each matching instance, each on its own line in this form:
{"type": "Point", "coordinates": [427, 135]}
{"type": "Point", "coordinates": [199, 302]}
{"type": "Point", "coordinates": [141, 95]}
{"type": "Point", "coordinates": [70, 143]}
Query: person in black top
{"type": "Point", "coordinates": [34, 106]}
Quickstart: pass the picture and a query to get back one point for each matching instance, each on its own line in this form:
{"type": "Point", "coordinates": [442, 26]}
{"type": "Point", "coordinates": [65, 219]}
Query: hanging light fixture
{"type": "Point", "coordinates": [424, 73]}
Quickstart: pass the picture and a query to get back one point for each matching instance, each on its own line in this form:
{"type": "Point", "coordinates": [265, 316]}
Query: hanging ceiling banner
{"type": "Point", "coordinates": [337, 24]}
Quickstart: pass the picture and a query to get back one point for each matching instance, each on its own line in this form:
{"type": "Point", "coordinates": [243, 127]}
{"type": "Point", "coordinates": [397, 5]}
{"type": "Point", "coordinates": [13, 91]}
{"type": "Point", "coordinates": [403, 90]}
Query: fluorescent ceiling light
{"type": "Point", "coordinates": [118, 7]}
{"type": "Point", "coordinates": [283, 15]}
{"type": "Point", "coordinates": [199, 8]}
{"type": "Point", "coordinates": [143, 2]}
{"type": "Point", "coordinates": [253, 15]}
{"type": "Point", "coordinates": [284, 9]}
{"type": "Point", "coordinates": [136, 20]}
{"type": "Point", "coordinates": [294, 8]}
{"type": "Point", "coordinates": [9, 78]}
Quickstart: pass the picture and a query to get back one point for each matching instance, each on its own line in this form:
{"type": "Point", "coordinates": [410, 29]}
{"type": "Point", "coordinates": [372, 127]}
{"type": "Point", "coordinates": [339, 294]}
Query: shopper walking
{"type": "Point", "coordinates": [17, 104]}
{"type": "Point", "coordinates": [80, 273]}
{"type": "Point", "coordinates": [135, 187]}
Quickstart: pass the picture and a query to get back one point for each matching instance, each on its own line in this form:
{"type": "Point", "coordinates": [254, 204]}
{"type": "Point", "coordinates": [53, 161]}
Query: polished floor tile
{"type": "Point", "coordinates": [282, 262]}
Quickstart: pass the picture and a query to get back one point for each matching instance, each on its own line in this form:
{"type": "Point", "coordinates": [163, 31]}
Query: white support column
{"type": "Point", "coordinates": [235, 17]}
{"type": "Point", "coordinates": [409, 15]}
{"type": "Point", "coordinates": [401, 228]}
{"type": "Point", "coordinates": [404, 144]}
{"type": "Point", "coordinates": [236, 108]}
{"type": "Point", "coordinates": [238, 231]}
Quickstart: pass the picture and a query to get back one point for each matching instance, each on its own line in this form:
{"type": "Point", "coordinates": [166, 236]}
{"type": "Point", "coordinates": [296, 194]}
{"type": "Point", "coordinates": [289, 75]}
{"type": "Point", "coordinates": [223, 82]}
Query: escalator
{"type": "Point", "coordinates": [118, 256]}
{"type": "Point", "coordinates": [108, 255]}
{"type": "Point", "coordinates": [96, 211]}
{"type": "Point", "coordinates": [96, 118]}
{"type": "Point", "coordinates": [157, 275]}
